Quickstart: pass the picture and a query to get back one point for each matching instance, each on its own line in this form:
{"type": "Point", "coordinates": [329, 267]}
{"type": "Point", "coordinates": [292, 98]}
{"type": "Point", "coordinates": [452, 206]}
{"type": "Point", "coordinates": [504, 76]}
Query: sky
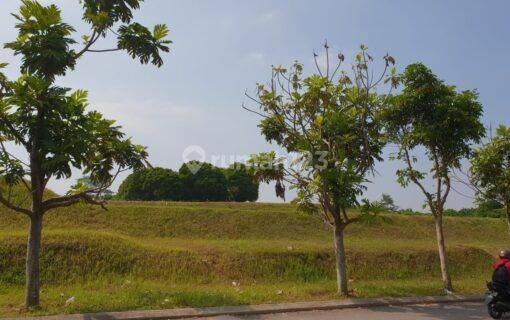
{"type": "Point", "coordinates": [221, 49]}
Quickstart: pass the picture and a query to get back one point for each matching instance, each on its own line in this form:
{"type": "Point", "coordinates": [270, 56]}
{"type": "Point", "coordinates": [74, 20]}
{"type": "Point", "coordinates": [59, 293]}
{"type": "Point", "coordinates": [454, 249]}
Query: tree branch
{"type": "Point", "coordinates": [414, 179]}
{"type": "Point", "coordinates": [447, 191]}
{"type": "Point", "coordinates": [66, 201]}
{"type": "Point", "coordinates": [104, 50]}
{"type": "Point", "coordinates": [253, 111]}
{"type": "Point", "coordinates": [93, 38]}
{"type": "Point", "coordinates": [11, 206]}
{"type": "Point", "coordinates": [87, 196]}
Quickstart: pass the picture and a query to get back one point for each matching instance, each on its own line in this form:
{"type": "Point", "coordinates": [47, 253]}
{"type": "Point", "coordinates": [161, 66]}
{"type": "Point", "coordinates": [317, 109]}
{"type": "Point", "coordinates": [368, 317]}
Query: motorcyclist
{"type": "Point", "coordinates": [501, 274]}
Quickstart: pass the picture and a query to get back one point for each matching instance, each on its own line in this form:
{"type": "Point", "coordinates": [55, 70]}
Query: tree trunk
{"type": "Point", "coordinates": [341, 273]}
{"type": "Point", "coordinates": [447, 282]}
{"type": "Point", "coordinates": [32, 263]}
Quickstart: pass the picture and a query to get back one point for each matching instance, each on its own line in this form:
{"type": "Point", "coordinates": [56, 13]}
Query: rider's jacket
{"type": "Point", "coordinates": [503, 262]}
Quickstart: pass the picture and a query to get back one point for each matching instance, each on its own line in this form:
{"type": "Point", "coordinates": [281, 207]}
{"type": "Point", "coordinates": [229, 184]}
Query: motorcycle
{"type": "Point", "coordinates": [497, 305]}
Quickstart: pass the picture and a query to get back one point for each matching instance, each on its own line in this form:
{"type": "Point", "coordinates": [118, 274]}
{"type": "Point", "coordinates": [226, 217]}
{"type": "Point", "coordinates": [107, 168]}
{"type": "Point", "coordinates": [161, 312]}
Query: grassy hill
{"type": "Point", "coordinates": [142, 255]}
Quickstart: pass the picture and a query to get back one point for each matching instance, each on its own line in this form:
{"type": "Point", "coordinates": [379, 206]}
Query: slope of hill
{"type": "Point", "coordinates": [159, 255]}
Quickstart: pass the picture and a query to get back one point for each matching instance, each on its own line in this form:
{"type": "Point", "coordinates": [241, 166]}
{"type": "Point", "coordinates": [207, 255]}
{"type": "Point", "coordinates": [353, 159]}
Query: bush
{"type": "Point", "coordinates": [242, 186]}
{"type": "Point", "coordinates": [490, 205]}
{"type": "Point", "coordinates": [207, 184]}
{"type": "Point", "coordinates": [152, 184]}
{"type": "Point", "coordinates": [474, 212]}
{"type": "Point", "coordinates": [204, 183]}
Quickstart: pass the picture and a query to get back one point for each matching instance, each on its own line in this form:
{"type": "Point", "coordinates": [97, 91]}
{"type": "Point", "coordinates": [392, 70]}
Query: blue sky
{"type": "Point", "coordinates": [222, 48]}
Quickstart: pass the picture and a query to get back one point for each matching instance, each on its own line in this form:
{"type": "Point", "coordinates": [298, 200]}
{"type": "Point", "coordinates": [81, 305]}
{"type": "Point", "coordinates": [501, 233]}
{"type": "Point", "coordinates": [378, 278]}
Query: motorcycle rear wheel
{"type": "Point", "coordinates": [493, 311]}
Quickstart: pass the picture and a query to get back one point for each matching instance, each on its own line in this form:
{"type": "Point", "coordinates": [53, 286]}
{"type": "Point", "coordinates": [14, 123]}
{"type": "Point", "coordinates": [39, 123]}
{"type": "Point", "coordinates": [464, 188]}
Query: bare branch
{"type": "Point", "coordinates": [253, 111]}
{"type": "Point", "coordinates": [336, 70]}
{"type": "Point", "coordinates": [104, 50]}
{"type": "Point", "coordinates": [68, 200]}
{"type": "Point", "coordinates": [462, 194]}
{"type": "Point", "coordinates": [87, 198]}
{"type": "Point", "coordinates": [93, 38]}
{"type": "Point", "coordinates": [414, 178]}
{"type": "Point", "coordinates": [327, 59]}
{"type": "Point", "coordinates": [317, 64]}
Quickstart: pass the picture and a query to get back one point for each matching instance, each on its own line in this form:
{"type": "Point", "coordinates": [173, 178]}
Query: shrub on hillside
{"type": "Point", "coordinates": [241, 183]}
{"type": "Point", "coordinates": [152, 184]}
{"type": "Point", "coordinates": [195, 181]}
{"type": "Point", "coordinates": [207, 183]}
{"type": "Point", "coordinates": [475, 212]}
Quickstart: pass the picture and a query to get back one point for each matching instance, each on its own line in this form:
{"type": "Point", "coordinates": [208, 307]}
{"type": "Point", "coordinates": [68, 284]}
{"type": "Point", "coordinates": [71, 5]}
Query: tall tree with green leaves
{"type": "Point", "coordinates": [490, 170]}
{"type": "Point", "coordinates": [242, 185]}
{"type": "Point", "coordinates": [152, 184]}
{"type": "Point", "coordinates": [52, 123]}
{"type": "Point", "coordinates": [206, 183]}
{"type": "Point", "coordinates": [387, 203]}
{"type": "Point", "coordinates": [328, 124]}
{"type": "Point", "coordinates": [432, 115]}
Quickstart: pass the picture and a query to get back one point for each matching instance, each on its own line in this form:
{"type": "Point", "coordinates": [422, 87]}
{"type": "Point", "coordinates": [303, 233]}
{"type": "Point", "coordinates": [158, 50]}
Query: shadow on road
{"type": "Point", "coordinates": [465, 311]}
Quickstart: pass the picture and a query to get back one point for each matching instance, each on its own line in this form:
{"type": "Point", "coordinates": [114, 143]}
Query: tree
{"type": "Point", "coordinates": [242, 185]}
{"type": "Point", "coordinates": [52, 124]}
{"type": "Point", "coordinates": [434, 116]}
{"type": "Point", "coordinates": [85, 183]}
{"type": "Point", "coordinates": [206, 184]}
{"type": "Point", "coordinates": [152, 184]}
{"type": "Point", "coordinates": [329, 122]}
{"type": "Point", "coordinates": [488, 204]}
{"type": "Point", "coordinates": [387, 203]}
{"type": "Point", "coordinates": [490, 171]}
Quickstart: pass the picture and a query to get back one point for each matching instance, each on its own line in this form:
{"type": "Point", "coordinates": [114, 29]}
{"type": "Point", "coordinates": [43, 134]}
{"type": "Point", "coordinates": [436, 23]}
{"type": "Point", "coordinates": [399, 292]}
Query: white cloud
{"type": "Point", "coordinates": [146, 117]}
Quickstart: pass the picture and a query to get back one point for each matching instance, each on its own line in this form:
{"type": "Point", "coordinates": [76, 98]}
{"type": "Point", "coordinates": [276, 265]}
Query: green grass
{"type": "Point", "coordinates": [142, 255]}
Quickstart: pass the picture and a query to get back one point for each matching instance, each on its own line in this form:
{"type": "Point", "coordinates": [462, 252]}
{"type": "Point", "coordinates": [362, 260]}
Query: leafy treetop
{"type": "Point", "coordinates": [52, 123]}
{"type": "Point", "coordinates": [433, 115]}
{"type": "Point", "coordinates": [329, 121]}
{"type": "Point", "coordinates": [490, 168]}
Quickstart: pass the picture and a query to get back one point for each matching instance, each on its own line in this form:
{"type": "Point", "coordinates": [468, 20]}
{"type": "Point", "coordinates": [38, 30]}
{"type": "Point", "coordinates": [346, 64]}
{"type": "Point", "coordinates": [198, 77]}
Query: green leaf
{"type": "Point", "coordinates": [140, 43]}
{"type": "Point", "coordinates": [85, 39]}
{"type": "Point", "coordinates": [160, 32]}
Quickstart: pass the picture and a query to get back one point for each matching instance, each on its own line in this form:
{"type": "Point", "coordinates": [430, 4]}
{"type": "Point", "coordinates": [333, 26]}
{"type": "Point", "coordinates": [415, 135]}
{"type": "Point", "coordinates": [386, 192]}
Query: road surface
{"type": "Point", "coordinates": [453, 311]}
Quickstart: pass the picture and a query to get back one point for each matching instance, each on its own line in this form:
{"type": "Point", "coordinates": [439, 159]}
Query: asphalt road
{"type": "Point", "coordinates": [453, 311]}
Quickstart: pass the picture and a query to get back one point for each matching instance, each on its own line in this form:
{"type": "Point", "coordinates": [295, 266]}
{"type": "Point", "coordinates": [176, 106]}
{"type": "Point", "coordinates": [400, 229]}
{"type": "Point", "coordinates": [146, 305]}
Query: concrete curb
{"type": "Point", "coordinates": [186, 313]}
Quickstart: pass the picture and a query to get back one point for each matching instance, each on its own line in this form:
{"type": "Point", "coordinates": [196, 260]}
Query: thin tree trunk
{"type": "Point", "coordinates": [341, 273]}
{"type": "Point", "coordinates": [447, 282]}
{"type": "Point", "coordinates": [36, 218]}
{"type": "Point", "coordinates": [32, 263]}
{"type": "Point", "coordinates": [508, 216]}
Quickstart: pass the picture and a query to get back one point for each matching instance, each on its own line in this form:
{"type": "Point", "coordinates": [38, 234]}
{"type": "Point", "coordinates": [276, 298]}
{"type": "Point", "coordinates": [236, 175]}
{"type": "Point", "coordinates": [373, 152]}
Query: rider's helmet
{"type": "Point", "coordinates": [504, 254]}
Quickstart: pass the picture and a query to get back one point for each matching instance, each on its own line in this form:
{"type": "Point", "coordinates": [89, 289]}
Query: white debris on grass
{"type": "Point", "coordinates": [70, 300]}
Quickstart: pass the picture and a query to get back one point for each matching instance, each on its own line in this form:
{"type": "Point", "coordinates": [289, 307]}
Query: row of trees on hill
{"type": "Point", "coordinates": [195, 181]}
{"type": "Point", "coordinates": [487, 208]}
{"type": "Point", "coordinates": [338, 123]}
